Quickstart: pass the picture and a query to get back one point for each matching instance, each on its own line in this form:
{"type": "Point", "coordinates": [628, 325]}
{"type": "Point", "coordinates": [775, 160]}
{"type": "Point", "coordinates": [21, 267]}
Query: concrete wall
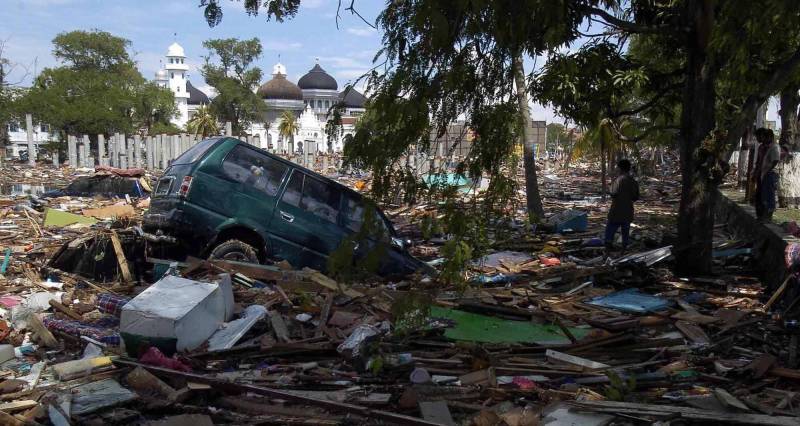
{"type": "Point", "coordinates": [769, 240]}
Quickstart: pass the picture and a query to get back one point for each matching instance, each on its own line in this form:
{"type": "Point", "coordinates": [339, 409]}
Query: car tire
{"type": "Point", "coordinates": [235, 250]}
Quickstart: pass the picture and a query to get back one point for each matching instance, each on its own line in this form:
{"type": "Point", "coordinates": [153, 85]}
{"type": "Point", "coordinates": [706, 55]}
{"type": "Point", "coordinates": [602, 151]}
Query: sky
{"type": "Point", "coordinates": [152, 25]}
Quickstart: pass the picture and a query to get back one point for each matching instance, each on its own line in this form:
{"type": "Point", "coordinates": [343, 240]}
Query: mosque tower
{"type": "Point", "coordinates": [176, 68]}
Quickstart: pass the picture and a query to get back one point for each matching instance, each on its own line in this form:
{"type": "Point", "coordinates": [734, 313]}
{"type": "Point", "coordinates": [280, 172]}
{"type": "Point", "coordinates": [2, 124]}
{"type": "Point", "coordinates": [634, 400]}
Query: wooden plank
{"type": "Point", "coordinates": [585, 364]}
{"type": "Point", "coordinates": [65, 310]}
{"type": "Point", "coordinates": [436, 412]}
{"type": "Point", "coordinates": [14, 406]}
{"type": "Point", "coordinates": [673, 411]}
{"type": "Point", "coordinates": [279, 326]}
{"type": "Point", "coordinates": [121, 260]}
{"type": "Point", "coordinates": [323, 317]}
{"type": "Point", "coordinates": [223, 385]}
{"type": "Point", "coordinates": [35, 324]}
{"type": "Point", "coordinates": [729, 400]}
{"type": "Point", "coordinates": [693, 332]}
{"type": "Point", "coordinates": [777, 294]}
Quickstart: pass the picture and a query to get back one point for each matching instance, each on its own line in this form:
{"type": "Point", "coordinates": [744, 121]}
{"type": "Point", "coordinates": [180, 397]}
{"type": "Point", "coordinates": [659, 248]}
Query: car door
{"type": "Point", "coordinates": [305, 224]}
{"type": "Point", "coordinates": [370, 236]}
{"type": "Point", "coordinates": [258, 178]}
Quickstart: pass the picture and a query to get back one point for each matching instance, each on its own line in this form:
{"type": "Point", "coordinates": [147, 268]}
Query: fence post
{"type": "Point", "coordinates": [101, 150]}
{"type": "Point", "coordinates": [137, 151]}
{"type": "Point", "coordinates": [148, 148]}
{"type": "Point", "coordinates": [88, 159]}
{"type": "Point", "coordinates": [72, 152]}
{"type": "Point", "coordinates": [31, 145]}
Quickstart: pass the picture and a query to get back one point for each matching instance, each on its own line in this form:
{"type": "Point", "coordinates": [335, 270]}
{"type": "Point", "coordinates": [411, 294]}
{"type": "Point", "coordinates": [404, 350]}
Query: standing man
{"type": "Point", "coordinates": [624, 192]}
{"type": "Point", "coordinates": [767, 179]}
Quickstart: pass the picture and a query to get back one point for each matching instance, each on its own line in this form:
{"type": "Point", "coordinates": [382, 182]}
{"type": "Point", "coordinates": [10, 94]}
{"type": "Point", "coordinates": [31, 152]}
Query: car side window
{"type": "Point", "coordinates": [354, 216]}
{"type": "Point", "coordinates": [320, 199]}
{"type": "Point", "coordinates": [255, 169]}
{"type": "Point", "coordinates": [294, 189]}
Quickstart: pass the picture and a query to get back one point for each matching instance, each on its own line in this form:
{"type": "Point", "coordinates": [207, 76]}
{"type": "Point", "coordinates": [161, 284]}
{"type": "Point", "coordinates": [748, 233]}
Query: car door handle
{"type": "Point", "coordinates": [287, 217]}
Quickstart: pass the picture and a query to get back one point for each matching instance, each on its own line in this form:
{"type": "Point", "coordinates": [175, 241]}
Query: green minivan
{"type": "Point", "coordinates": [226, 199]}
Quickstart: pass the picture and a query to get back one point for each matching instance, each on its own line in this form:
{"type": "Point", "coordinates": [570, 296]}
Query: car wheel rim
{"type": "Point", "coordinates": [240, 257]}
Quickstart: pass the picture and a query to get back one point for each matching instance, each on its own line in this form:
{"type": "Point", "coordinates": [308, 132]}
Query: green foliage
{"type": "Point", "coordinates": [153, 109]}
{"type": "Point", "coordinates": [97, 89]}
{"type": "Point", "coordinates": [288, 127]}
{"type": "Point", "coordinates": [203, 123]}
{"type": "Point", "coordinates": [229, 69]}
{"type": "Point", "coordinates": [278, 9]}
{"type": "Point", "coordinates": [161, 128]}
{"type": "Point", "coordinates": [410, 312]}
{"type": "Point", "coordinates": [618, 389]}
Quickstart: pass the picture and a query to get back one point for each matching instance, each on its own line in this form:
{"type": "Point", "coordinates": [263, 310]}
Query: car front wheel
{"type": "Point", "coordinates": [235, 250]}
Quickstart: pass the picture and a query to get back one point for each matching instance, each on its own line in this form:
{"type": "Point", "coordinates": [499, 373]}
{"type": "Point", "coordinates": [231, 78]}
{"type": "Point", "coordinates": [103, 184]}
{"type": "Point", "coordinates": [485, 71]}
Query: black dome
{"type": "Point", "coordinates": [196, 96]}
{"type": "Point", "coordinates": [280, 88]}
{"type": "Point", "coordinates": [317, 78]}
{"type": "Point", "coordinates": [352, 98]}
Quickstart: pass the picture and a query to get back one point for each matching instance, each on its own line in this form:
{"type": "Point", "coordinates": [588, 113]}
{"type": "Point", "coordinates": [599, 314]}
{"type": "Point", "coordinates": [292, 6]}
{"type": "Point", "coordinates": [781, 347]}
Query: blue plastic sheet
{"type": "Point", "coordinates": [631, 300]}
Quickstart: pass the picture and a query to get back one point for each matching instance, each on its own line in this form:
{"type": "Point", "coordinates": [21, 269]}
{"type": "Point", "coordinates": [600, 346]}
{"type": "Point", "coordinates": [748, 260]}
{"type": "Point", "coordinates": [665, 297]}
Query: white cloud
{"type": "Point", "coordinates": [541, 112]}
{"type": "Point", "coordinates": [362, 31]}
{"type": "Point", "coordinates": [351, 74]}
{"type": "Point", "coordinates": [314, 4]}
{"type": "Point", "coordinates": [281, 46]}
{"type": "Point", "coordinates": [342, 62]}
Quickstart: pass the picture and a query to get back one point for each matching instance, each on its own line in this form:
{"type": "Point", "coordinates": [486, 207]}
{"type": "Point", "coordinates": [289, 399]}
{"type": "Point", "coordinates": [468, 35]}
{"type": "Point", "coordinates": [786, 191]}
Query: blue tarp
{"type": "Point", "coordinates": [631, 300]}
{"type": "Point", "coordinates": [447, 179]}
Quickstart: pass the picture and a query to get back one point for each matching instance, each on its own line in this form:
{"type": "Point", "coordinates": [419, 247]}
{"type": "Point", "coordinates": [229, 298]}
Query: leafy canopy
{"type": "Point", "coordinates": [229, 69]}
{"type": "Point", "coordinates": [97, 89]}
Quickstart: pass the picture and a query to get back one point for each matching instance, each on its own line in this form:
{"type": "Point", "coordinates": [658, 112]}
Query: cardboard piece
{"type": "Point", "coordinates": [111, 212]}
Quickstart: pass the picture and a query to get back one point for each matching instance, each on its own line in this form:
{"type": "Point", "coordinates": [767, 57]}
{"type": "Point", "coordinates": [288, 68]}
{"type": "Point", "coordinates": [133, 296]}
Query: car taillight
{"type": "Point", "coordinates": [185, 185]}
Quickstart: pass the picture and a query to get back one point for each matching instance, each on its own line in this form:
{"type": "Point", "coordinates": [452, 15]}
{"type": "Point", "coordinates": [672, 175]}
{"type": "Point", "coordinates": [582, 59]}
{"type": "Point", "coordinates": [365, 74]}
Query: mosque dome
{"type": "Point", "coordinates": [352, 98]}
{"type": "Point", "coordinates": [196, 96]}
{"type": "Point", "coordinates": [162, 75]}
{"type": "Point", "coordinates": [318, 79]}
{"type": "Point", "coordinates": [175, 49]}
{"type": "Point", "coordinates": [280, 88]}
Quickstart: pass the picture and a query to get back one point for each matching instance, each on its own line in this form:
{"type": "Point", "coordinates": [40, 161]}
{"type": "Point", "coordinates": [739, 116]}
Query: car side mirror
{"type": "Point", "coordinates": [398, 243]}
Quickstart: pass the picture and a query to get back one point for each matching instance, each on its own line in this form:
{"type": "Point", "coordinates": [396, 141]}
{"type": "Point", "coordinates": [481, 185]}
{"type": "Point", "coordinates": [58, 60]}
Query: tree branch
{"type": "Point", "coordinates": [779, 78]}
{"type": "Point", "coordinates": [632, 27]}
{"type": "Point", "coordinates": [647, 104]}
{"type": "Point", "coordinates": [642, 135]}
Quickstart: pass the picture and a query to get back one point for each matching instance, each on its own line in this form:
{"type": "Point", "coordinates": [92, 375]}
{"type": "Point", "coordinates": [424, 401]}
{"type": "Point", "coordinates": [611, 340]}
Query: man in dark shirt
{"type": "Point", "coordinates": [624, 192]}
{"type": "Point", "coordinates": [764, 174]}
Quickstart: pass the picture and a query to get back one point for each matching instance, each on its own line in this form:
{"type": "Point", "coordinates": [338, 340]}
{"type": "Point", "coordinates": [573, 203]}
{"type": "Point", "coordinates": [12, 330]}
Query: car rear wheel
{"type": "Point", "coordinates": [235, 250]}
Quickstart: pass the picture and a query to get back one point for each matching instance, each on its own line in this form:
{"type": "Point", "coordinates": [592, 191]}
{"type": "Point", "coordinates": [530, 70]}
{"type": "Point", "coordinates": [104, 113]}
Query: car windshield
{"type": "Point", "coordinates": [196, 152]}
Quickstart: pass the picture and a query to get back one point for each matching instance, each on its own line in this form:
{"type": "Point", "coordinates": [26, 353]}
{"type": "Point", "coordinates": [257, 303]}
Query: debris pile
{"type": "Point", "coordinates": [547, 330]}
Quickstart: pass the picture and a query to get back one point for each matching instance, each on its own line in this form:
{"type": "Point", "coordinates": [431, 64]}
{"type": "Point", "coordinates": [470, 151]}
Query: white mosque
{"type": "Point", "coordinates": [309, 101]}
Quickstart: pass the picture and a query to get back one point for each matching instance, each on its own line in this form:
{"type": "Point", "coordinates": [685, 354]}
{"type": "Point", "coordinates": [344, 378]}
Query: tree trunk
{"type": "Point", "coordinates": [789, 169]}
{"type": "Point", "coordinates": [4, 138]}
{"type": "Point", "coordinates": [696, 213]}
{"type": "Point", "coordinates": [603, 169]}
{"type": "Point", "coordinates": [531, 186]}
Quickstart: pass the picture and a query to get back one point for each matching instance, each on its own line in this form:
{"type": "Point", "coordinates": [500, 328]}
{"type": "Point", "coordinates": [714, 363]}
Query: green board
{"type": "Point", "coordinates": [485, 329]}
{"type": "Point", "coordinates": [58, 218]}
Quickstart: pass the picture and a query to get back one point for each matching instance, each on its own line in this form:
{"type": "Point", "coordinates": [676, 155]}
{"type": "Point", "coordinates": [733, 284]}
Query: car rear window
{"type": "Point", "coordinates": [196, 152]}
{"type": "Point", "coordinates": [254, 169]}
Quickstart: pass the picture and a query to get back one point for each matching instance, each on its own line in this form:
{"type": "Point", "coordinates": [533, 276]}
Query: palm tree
{"type": "Point", "coordinates": [288, 127]}
{"type": "Point", "coordinates": [203, 123]}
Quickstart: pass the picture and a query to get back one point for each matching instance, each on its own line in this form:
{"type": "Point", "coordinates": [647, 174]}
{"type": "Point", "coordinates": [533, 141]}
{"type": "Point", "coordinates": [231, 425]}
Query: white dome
{"type": "Point", "coordinates": [175, 49]}
{"type": "Point", "coordinates": [279, 69]}
{"type": "Point", "coordinates": [162, 75]}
